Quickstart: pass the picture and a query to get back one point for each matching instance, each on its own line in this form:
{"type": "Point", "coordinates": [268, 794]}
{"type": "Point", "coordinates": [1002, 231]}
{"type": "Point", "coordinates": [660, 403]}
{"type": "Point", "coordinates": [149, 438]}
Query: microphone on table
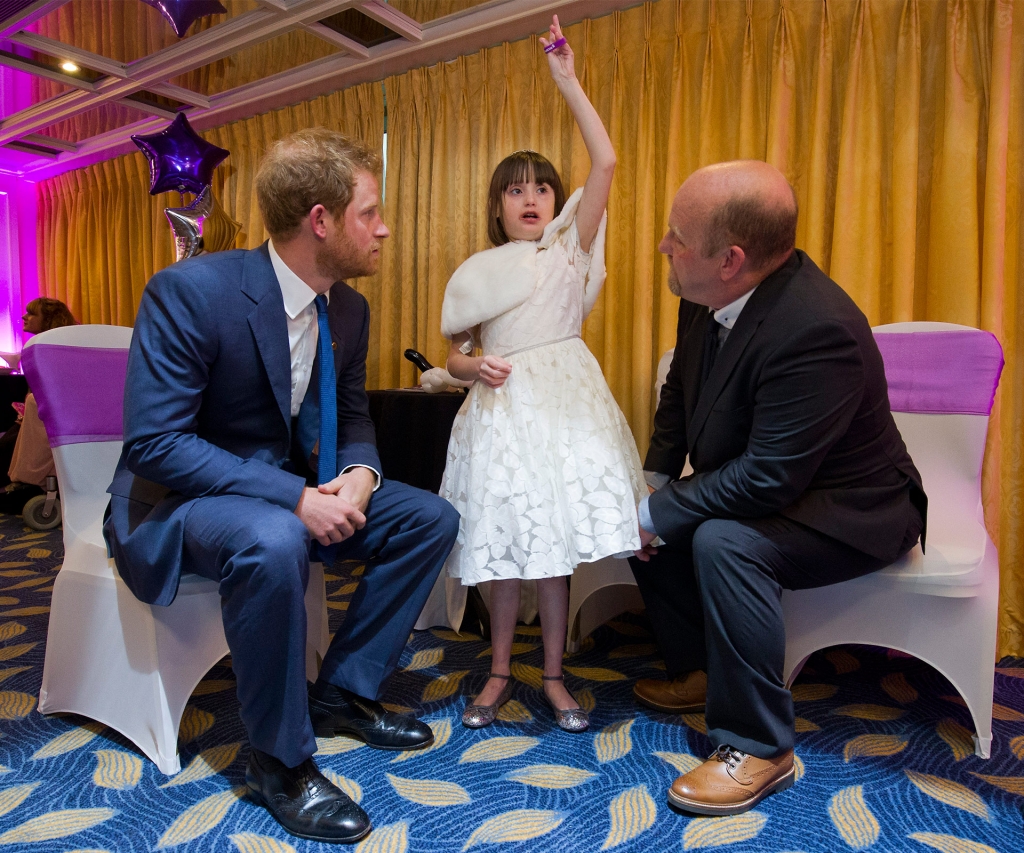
{"type": "Point", "coordinates": [417, 358]}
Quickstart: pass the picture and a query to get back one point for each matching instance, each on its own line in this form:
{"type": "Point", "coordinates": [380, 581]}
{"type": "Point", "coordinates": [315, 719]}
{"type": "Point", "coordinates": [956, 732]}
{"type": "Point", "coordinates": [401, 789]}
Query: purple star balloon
{"type": "Point", "coordinates": [183, 13]}
{"type": "Point", "coordinates": [179, 158]}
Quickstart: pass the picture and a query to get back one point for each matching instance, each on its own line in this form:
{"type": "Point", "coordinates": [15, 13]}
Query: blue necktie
{"type": "Point", "coordinates": [327, 464]}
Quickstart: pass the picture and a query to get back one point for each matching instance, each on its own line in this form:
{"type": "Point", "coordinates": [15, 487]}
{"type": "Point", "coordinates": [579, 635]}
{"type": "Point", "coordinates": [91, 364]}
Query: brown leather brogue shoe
{"type": "Point", "coordinates": [684, 694]}
{"type": "Point", "coordinates": [730, 782]}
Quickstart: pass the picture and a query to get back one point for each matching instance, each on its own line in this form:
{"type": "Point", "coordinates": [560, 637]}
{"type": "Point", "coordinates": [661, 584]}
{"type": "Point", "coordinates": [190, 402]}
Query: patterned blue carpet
{"type": "Point", "coordinates": [884, 748]}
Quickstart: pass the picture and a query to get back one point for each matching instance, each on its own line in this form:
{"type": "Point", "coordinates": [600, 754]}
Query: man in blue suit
{"type": "Point", "coordinates": [221, 435]}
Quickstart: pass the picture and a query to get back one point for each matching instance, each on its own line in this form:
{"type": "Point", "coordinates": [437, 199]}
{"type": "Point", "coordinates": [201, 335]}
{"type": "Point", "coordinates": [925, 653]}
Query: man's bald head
{"type": "Point", "coordinates": [745, 203]}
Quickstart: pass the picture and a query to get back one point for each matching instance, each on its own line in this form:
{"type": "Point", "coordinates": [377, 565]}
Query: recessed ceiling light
{"type": "Point", "coordinates": [69, 66]}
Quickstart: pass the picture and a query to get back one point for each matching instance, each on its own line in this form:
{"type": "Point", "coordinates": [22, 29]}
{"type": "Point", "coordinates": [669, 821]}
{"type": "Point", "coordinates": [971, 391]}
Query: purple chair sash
{"type": "Point", "coordinates": [952, 373]}
{"type": "Point", "coordinates": [79, 391]}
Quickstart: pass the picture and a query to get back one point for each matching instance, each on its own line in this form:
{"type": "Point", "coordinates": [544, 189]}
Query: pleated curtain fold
{"type": "Point", "coordinates": [899, 123]}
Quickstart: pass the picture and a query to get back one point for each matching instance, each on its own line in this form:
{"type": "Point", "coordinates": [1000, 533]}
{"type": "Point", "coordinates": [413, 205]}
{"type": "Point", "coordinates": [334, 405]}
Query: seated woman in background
{"type": "Point", "coordinates": [25, 444]}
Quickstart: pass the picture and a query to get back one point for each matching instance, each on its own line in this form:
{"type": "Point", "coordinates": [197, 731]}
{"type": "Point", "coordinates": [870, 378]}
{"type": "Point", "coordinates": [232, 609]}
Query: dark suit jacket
{"type": "Point", "coordinates": [794, 419]}
{"type": "Point", "coordinates": [207, 408]}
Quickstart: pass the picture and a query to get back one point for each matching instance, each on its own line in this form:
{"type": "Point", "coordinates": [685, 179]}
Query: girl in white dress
{"type": "Point", "coordinates": [541, 463]}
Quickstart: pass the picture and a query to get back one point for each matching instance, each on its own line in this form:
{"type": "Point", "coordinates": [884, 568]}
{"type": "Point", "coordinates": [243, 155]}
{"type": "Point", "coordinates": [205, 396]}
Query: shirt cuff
{"type": "Point", "coordinates": [376, 474]}
{"type": "Point", "coordinates": [655, 479]}
{"type": "Point", "coordinates": [643, 514]}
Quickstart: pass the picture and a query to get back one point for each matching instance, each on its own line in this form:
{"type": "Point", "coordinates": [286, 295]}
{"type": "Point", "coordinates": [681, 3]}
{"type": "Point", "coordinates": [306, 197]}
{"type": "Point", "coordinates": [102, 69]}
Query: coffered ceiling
{"type": "Point", "coordinates": [134, 74]}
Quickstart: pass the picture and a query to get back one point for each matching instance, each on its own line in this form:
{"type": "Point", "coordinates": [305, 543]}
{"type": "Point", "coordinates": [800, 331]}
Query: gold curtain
{"type": "Point", "coordinates": [898, 123]}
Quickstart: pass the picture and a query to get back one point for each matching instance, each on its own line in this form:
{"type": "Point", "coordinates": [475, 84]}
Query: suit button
{"type": "Point", "coordinates": [334, 344]}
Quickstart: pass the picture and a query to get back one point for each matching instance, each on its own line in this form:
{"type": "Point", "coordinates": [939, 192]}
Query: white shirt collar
{"type": "Point", "coordinates": [297, 294]}
{"type": "Point", "coordinates": [728, 315]}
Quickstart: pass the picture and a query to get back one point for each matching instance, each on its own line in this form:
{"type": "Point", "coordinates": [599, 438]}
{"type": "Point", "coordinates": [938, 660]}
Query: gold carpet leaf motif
{"type": "Point", "coordinates": [358, 571]}
{"type": "Point", "coordinates": [498, 749]}
{"type": "Point", "coordinates": [813, 692]}
{"type": "Point", "coordinates": [614, 741]}
{"type": "Point", "coordinates": [14, 670]}
{"type": "Point", "coordinates": [27, 584]}
{"type": "Point", "coordinates": [958, 738]}
{"type": "Point", "coordinates": [586, 644]}
{"type": "Point", "coordinates": [248, 842]}
{"type": "Point", "coordinates": [425, 658]}
{"type": "Point", "coordinates": [201, 818]}
{"type": "Point", "coordinates": [444, 686]}
{"type": "Point", "coordinates": [681, 761]}
{"type": "Point", "coordinates": [951, 843]}
{"type": "Point", "coordinates": [1013, 784]}
{"type": "Point", "coordinates": [194, 723]}
{"type": "Point", "coordinates": [19, 546]}
{"type": "Point", "coordinates": [27, 611]}
{"type": "Point", "coordinates": [399, 709]}
{"type": "Point", "coordinates": [629, 629]}
{"type": "Point", "coordinates": [801, 724]}
{"type": "Point", "coordinates": [337, 745]}
{"type": "Point", "coordinates": [56, 825]}
{"type": "Point", "coordinates": [882, 713]}
{"type": "Point", "coordinates": [897, 686]}
{"type": "Point", "coordinates": [595, 673]}
{"type": "Point", "coordinates": [586, 700]}
{"type": "Point", "coordinates": [528, 630]}
{"type": "Point", "coordinates": [632, 812]}
{"type": "Point", "coordinates": [116, 769]}
{"type": "Point", "coordinates": [8, 600]}
{"type": "Point", "coordinates": [1016, 744]}
{"type": "Point", "coordinates": [873, 746]}
{"type": "Point", "coordinates": [695, 722]}
{"type": "Point", "coordinates": [12, 652]}
{"type": "Point", "coordinates": [208, 763]}
{"type": "Point", "coordinates": [1011, 671]}
{"type": "Point", "coordinates": [842, 660]}
{"type": "Point", "coordinates": [209, 686]}
{"type": "Point", "coordinates": [719, 831]}
{"type": "Point", "coordinates": [11, 798]}
{"type": "Point", "coordinates": [638, 650]}
{"type": "Point", "coordinates": [949, 792]}
{"type": "Point", "coordinates": [347, 589]}
{"type": "Point", "coordinates": [518, 825]}
{"type": "Point", "coordinates": [551, 776]}
{"type": "Point", "coordinates": [429, 792]}
{"type": "Point", "coordinates": [442, 730]}
{"type": "Point", "coordinates": [529, 675]}
{"type": "Point", "coordinates": [337, 605]}
{"type": "Point", "coordinates": [514, 712]}
{"type": "Point", "coordinates": [852, 818]}
{"type": "Point", "coordinates": [1007, 715]}
{"type": "Point", "coordinates": [38, 553]}
{"type": "Point", "coordinates": [798, 768]}
{"type": "Point", "coordinates": [15, 705]}
{"type": "Point", "coordinates": [517, 649]}
{"type": "Point", "coordinates": [392, 838]}
{"type": "Point", "coordinates": [350, 786]}
{"type": "Point", "coordinates": [69, 741]}
{"type": "Point", "coordinates": [452, 637]}
{"type": "Point", "coordinates": [16, 574]}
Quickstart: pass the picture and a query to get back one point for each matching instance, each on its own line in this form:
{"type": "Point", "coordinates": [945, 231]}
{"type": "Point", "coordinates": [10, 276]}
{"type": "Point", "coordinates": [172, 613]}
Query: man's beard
{"type": "Point", "coordinates": [673, 283]}
{"type": "Point", "coordinates": [340, 259]}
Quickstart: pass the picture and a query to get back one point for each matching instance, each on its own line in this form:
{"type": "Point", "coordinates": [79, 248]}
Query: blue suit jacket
{"type": "Point", "coordinates": [207, 408]}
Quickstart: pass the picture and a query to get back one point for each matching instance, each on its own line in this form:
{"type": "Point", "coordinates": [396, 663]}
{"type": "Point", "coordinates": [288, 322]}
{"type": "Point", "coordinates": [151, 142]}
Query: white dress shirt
{"type": "Point", "coordinates": [303, 335]}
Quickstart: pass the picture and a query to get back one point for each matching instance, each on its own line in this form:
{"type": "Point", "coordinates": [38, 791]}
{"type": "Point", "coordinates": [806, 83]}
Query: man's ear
{"type": "Point", "coordinates": [732, 263]}
{"type": "Point", "coordinates": [317, 217]}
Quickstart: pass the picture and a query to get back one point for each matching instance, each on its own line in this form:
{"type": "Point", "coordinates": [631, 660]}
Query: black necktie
{"type": "Point", "coordinates": [712, 341]}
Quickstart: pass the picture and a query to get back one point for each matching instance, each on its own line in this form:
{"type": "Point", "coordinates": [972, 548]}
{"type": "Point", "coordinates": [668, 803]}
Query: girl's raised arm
{"type": "Point", "coordinates": [595, 137]}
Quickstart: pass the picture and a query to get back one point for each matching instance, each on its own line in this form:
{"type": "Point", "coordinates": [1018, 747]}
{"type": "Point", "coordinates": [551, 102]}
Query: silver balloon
{"type": "Point", "coordinates": [187, 224]}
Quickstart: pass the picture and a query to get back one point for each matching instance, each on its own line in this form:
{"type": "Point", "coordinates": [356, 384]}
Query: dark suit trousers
{"type": "Point", "coordinates": [259, 553]}
{"type": "Point", "coordinates": [715, 605]}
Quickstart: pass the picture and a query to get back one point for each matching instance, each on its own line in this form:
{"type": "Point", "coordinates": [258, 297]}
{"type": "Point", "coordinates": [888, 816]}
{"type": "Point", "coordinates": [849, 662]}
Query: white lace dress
{"type": "Point", "coordinates": [544, 470]}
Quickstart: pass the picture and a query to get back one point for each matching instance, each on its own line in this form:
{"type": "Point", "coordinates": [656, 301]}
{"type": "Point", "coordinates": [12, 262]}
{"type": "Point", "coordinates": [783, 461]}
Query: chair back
{"type": "Point", "coordinates": [77, 374]}
{"type": "Point", "coordinates": [942, 381]}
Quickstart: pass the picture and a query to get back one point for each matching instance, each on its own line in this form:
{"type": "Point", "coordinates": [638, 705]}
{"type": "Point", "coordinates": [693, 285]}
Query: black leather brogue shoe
{"type": "Point", "coordinates": [334, 711]}
{"type": "Point", "coordinates": [304, 801]}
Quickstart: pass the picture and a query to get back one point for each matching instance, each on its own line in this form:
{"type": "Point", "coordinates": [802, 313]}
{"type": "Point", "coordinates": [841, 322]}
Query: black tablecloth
{"type": "Point", "coordinates": [412, 434]}
{"type": "Point", "coordinates": [13, 389]}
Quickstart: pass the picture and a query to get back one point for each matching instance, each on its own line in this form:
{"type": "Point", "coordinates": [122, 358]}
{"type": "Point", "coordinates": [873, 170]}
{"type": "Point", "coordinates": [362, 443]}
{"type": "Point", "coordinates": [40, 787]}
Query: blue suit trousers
{"type": "Point", "coordinates": [259, 554]}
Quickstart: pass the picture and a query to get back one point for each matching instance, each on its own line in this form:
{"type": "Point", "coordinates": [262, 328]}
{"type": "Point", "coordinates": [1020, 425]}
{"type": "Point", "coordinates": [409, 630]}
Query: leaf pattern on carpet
{"type": "Point", "coordinates": [959, 739]}
{"type": "Point", "coordinates": [69, 741]}
{"type": "Point", "coordinates": [704, 832]}
{"type": "Point", "coordinates": [58, 824]}
{"type": "Point", "coordinates": [951, 843]}
{"type": "Point", "coordinates": [551, 776]}
{"type": "Point", "coordinates": [116, 769]}
{"type": "Point", "coordinates": [630, 813]}
{"type": "Point", "coordinates": [392, 838]}
{"type": "Point", "coordinates": [517, 825]}
{"type": "Point", "coordinates": [429, 792]}
{"type": "Point", "coordinates": [613, 742]}
{"type": "Point", "coordinates": [425, 659]}
{"type": "Point", "coordinates": [442, 730]}
{"type": "Point", "coordinates": [852, 818]}
{"type": "Point", "coordinates": [949, 792]}
{"type": "Point", "coordinates": [498, 749]}
{"type": "Point", "coordinates": [444, 686]}
{"type": "Point", "coordinates": [201, 818]}
{"type": "Point", "coordinates": [208, 763]}
{"type": "Point", "coordinates": [248, 842]}
{"type": "Point", "coordinates": [873, 746]}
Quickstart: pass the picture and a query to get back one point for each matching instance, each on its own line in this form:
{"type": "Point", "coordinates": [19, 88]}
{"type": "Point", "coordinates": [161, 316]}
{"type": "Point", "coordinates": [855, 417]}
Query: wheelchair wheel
{"type": "Point", "coordinates": [33, 515]}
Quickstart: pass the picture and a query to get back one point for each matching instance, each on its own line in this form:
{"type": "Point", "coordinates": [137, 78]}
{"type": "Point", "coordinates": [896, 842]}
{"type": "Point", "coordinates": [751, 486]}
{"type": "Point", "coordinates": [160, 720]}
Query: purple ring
{"type": "Point", "coordinates": [555, 45]}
